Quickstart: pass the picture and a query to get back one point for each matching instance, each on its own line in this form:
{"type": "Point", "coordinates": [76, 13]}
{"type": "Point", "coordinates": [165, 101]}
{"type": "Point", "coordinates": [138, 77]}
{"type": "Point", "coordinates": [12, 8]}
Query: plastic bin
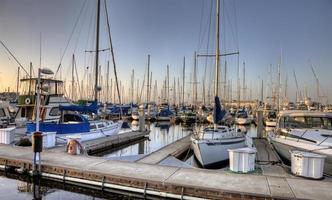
{"type": "Point", "coordinates": [307, 164]}
{"type": "Point", "coordinates": [49, 139]}
{"type": "Point", "coordinates": [242, 159]}
{"type": "Point", "coordinates": [7, 135]}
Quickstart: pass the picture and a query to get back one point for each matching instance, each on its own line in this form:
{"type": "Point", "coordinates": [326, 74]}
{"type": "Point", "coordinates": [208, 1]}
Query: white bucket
{"type": "Point", "coordinates": [242, 159]}
{"type": "Point", "coordinates": [49, 139]}
{"type": "Point", "coordinates": [307, 164]}
{"type": "Point", "coordinates": [7, 135]}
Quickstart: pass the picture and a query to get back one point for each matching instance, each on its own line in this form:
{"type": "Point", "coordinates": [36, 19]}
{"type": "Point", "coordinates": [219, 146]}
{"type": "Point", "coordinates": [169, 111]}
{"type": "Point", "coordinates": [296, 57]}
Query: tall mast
{"type": "Point", "coordinates": [244, 82]}
{"type": "Point", "coordinates": [148, 87]}
{"type": "Point", "coordinates": [183, 79]}
{"type": "Point", "coordinates": [107, 81]}
{"type": "Point", "coordinates": [97, 51]}
{"type": "Point", "coordinates": [195, 81]}
{"type": "Point", "coordinates": [18, 80]}
{"type": "Point", "coordinates": [225, 80]}
{"type": "Point", "coordinates": [132, 85]}
{"type": "Point", "coordinates": [72, 78]}
{"type": "Point", "coordinates": [167, 84]}
{"type": "Point", "coordinates": [216, 79]}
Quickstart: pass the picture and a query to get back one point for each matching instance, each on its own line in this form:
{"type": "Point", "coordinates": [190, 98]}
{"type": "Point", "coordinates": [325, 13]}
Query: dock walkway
{"type": "Point", "coordinates": [96, 146]}
{"type": "Point", "coordinates": [174, 149]}
{"type": "Point", "coordinates": [163, 181]}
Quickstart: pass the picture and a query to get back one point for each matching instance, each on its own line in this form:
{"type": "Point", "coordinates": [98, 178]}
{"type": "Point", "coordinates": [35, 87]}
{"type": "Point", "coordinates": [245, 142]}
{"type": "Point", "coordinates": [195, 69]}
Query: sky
{"type": "Point", "coordinates": [295, 33]}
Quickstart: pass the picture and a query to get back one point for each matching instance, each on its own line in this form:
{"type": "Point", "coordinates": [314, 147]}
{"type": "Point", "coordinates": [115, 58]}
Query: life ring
{"type": "Point", "coordinates": [27, 101]}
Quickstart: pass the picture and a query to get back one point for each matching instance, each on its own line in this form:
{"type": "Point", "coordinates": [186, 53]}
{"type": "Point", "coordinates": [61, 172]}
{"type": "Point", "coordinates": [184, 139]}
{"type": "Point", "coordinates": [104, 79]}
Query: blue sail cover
{"type": "Point", "coordinates": [218, 114]}
{"type": "Point", "coordinates": [92, 108]}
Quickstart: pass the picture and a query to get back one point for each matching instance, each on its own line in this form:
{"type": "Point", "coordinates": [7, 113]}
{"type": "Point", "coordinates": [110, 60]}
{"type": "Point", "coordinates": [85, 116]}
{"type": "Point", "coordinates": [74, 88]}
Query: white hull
{"type": "Point", "coordinates": [112, 129]}
{"type": "Point", "coordinates": [159, 118]}
{"type": "Point", "coordinates": [209, 152]}
{"type": "Point", "coordinates": [242, 121]}
{"type": "Point", "coordinates": [285, 145]}
{"type": "Point", "coordinates": [135, 116]}
{"type": "Point", "coordinates": [271, 123]}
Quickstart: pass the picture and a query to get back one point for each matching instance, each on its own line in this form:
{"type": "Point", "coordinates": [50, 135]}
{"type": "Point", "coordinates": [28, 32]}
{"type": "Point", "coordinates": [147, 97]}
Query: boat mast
{"type": "Point", "coordinates": [167, 85]}
{"type": "Point", "coordinates": [216, 80]}
{"type": "Point", "coordinates": [107, 81]}
{"type": "Point", "coordinates": [97, 51]}
{"type": "Point", "coordinates": [72, 78]}
{"type": "Point", "coordinates": [18, 80]}
{"type": "Point", "coordinates": [148, 80]}
{"type": "Point", "coordinates": [183, 79]}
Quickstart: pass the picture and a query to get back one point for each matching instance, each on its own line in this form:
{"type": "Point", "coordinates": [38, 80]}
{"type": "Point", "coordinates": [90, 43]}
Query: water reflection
{"type": "Point", "coordinates": [17, 189]}
{"type": "Point", "coordinates": [161, 134]}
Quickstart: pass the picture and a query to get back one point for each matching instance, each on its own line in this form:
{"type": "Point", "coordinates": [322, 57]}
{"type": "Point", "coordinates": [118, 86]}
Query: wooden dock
{"type": "Point", "coordinates": [112, 142]}
{"type": "Point", "coordinates": [176, 149]}
{"type": "Point", "coordinates": [162, 181]}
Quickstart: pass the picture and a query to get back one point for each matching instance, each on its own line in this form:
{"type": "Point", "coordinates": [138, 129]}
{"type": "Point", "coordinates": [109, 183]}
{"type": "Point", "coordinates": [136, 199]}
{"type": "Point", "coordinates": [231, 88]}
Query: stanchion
{"type": "Point", "coordinates": [37, 148]}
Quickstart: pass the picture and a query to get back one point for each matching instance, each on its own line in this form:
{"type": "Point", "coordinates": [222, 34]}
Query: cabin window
{"type": "Point", "coordinates": [2, 112]}
{"type": "Point", "coordinates": [315, 122]}
{"type": "Point", "coordinates": [101, 126]}
{"type": "Point", "coordinates": [295, 122]}
{"type": "Point", "coordinates": [55, 111]}
{"type": "Point", "coordinates": [93, 126]}
{"type": "Point", "coordinates": [282, 122]}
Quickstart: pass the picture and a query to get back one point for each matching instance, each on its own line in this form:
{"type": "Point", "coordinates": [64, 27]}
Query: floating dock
{"type": "Point", "coordinates": [162, 181]}
{"type": "Point", "coordinates": [176, 149]}
{"type": "Point", "coordinates": [111, 142]}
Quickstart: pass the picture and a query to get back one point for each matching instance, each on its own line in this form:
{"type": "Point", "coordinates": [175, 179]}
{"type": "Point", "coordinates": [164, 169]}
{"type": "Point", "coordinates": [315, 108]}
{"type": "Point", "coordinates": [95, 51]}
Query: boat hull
{"type": "Point", "coordinates": [271, 123]}
{"type": "Point", "coordinates": [210, 153]}
{"type": "Point", "coordinates": [284, 147]}
{"type": "Point", "coordinates": [113, 129]}
{"type": "Point", "coordinates": [242, 121]}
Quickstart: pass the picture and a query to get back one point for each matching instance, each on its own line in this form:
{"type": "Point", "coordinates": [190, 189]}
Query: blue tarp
{"type": "Point", "coordinates": [92, 108]}
{"type": "Point", "coordinates": [165, 113]}
{"type": "Point", "coordinates": [115, 109]}
{"type": "Point", "coordinates": [218, 114]}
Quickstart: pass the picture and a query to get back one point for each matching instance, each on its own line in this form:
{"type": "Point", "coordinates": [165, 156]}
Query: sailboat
{"type": "Point", "coordinates": [211, 145]}
{"type": "Point", "coordinates": [72, 122]}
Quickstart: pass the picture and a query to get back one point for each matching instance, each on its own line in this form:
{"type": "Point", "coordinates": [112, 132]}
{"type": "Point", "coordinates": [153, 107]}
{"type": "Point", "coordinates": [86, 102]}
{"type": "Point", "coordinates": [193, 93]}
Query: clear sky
{"type": "Point", "coordinates": [169, 30]}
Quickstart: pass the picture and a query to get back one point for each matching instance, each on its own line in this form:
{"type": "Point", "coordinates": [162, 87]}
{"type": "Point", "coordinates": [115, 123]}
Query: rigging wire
{"type": "Point", "coordinates": [113, 58]}
{"type": "Point", "coordinates": [200, 26]}
{"type": "Point", "coordinates": [70, 37]}
{"type": "Point", "coordinates": [14, 57]}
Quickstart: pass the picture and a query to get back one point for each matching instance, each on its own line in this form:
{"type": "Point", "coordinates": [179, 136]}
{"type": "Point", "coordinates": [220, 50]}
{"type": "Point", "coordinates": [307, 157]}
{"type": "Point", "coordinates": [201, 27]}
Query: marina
{"type": "Point", "coordinates": [165, 100]}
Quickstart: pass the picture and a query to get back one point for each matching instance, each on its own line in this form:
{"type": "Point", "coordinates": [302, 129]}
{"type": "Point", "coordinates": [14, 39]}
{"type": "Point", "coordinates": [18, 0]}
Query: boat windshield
{"type": "Point", "coordinates": [272, 115]}
{"type": "Point", "coordinates": [307, 122]}
{"type": "Point", "coordinates": [241, 115]}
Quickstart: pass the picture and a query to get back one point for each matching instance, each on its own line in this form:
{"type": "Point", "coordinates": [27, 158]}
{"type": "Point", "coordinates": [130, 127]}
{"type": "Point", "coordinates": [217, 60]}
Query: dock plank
{"type": "Point", "coordinates": [173, 149]}
{"type": "Point", "coordinates": [193, 182]}
{"type": "Point", "coordinates": [265, 155]}
{"type": "Point", "coordinates": [279, 187]}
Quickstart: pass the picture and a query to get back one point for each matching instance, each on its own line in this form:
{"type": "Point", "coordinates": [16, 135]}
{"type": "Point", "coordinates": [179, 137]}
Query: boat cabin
{"type": "Point", "coordinates": [304, 120]}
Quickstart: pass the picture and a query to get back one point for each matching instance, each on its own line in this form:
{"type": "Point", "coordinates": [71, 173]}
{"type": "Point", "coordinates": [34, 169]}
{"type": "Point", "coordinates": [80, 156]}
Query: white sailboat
{"type": "Point", "coordinates": [211, 144]}
{"type": "Point", "coordinates": [309, 131]}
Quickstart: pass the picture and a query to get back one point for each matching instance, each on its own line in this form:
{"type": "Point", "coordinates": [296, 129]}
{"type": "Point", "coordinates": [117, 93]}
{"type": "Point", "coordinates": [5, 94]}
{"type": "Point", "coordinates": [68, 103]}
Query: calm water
{"type": "Point", "coordinates": [161, 134]}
